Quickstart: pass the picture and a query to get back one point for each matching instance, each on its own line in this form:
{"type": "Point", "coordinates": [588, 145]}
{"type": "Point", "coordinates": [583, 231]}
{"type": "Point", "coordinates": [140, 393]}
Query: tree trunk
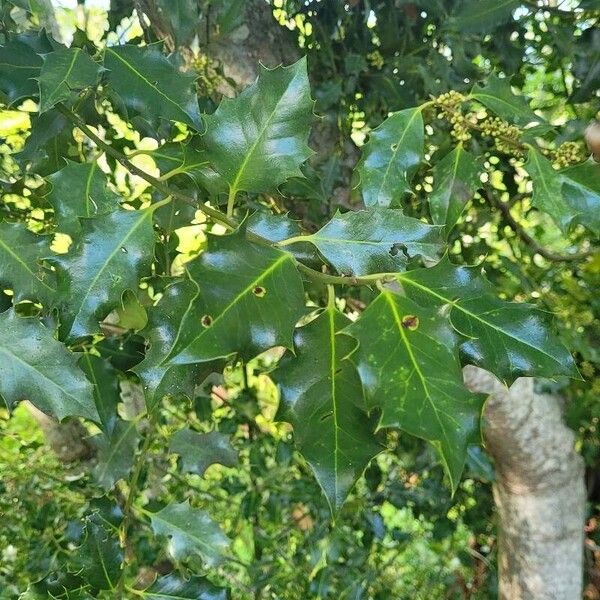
{"type": "Point", "coordinates": [68, 440]}
{"type": "Point", "coordinates": [539, 491]}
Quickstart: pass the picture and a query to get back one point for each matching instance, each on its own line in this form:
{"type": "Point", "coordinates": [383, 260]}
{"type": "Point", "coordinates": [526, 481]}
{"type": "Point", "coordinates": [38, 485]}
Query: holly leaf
{"type": "Point", "coordinates": [35, 367]}
{"type": "Point", "coordinates": [455, 180]}
{"type": "Point", "coordinates": [322, 397]}
{"type": "Point", "coordinates": [79, 190]}
{"type": "Point", "coordinates": [484, 15]}
{"type": "Point", "coordinates": [183, 19]}
{"type": "Point", "coordinates": [379, 240]}
{"type": "Point", "coordinates": [151, 86]}
{"type": "Point", "coordinates": [509, 339]}
{"type": "Point", "coordinates": [259, 139]}
{"type": "Point", "coordinates": [390, 158]}
{"type": "Point", "coordinates": [20, 268]}
{"type": "Point", "coordinates": [581, 191]}
{"type": "Point", "coordinates": [20, 65]}
{"type": "Point", "coordinates": [103, 376]}
{"type": "Point", "coordinates": [410, 368]}
{"type": "Point", "coordinates": [162, 331]}
{"type": "Point", "coordinates": [99, 557]}
{"type": "Point", "coordinates": [191, 531]}
{"type": "Point", "coordinates": [114, 252]}
{"type": "Point", "coordinates": [547, 190]}
{"type": "Point", "coordinates": [200, 450]}
{"type": "Point", "coordinates": [250, 297]}
{"type": "Point", "coordinates": [65, 71]}
{"type": "Point", "coordinates": [115, 453]}
{"type": "Point", "coordinates": [182, 159]}
{"type": "Point", "coordinates": [194, 588]}
{"type": "Point", "coordinates": [497, 95]}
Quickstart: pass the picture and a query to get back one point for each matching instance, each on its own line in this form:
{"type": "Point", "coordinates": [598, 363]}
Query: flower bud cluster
{"type": "Point", "coordinates": [567, 154]}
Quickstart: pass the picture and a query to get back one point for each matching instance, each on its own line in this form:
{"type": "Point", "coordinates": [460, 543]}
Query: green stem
{"type": "Point", "coordinates": [294, 240]}
{"type": "Point", "coordinates": [127, 510]}
{"type": "Point", "coordinates": [231, 202]}
{"type": "Point", "coordinates": [215, 214]}
{"type": "Point", "coordinates": [327, 279]}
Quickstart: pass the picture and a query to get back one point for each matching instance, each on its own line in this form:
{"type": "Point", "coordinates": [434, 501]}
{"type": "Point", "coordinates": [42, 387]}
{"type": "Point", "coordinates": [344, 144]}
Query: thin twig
{"type": "Point", "coordinates": [525, 237]}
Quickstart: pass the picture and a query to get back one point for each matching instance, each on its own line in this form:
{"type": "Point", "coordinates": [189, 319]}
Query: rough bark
{"type": "Point", "coordinates": [539, 491]}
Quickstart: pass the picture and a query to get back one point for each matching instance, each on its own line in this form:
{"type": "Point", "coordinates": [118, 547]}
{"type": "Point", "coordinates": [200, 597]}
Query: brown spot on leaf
{"type": "Point", "coordinates": [259, 291]}
{"type": "Point", "coordinates": [410, 322]}
{"type": "Point", "coordinates": [206, 320]}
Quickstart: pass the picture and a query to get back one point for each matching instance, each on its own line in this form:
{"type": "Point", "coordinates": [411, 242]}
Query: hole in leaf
{"type": "Point", "coordinates": [206, 320]}
{"type": "Point", "coordinates": [394, 147]}
{"type": "Point", "coordinates": [410, 322]}
{"type": "Point", "coordinates": [326, 416]}
{"type": "Point", "coordinates": [259, 291]}
{"type": "Point", "coordinates": [399, 247]}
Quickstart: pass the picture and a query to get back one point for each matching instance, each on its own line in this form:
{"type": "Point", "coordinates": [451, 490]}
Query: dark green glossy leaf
{"type": "Point", "coordinates": [79, 190]}
{"type": "Point", "coordinates": [35, 367]}
{"type": "Point", "coordinates": [19, 67]}
{"type": "Point", "coordinates": [547, 190]}
{"type": "Point", "coordinates": [259, 139]}
{"type": "Point", "coordinates": [581, 191]}
{"type": "Point", "coordinates": [190, 531]}
{"type": "Point", "coordinates": [250, 298]}
{"type": "Point", "coordinates": [455, 179]}
{"type": "Point", "coordinates": [379, 240]}
{"type": "Point", "coordinates": [151, 86]}
{"type": "Point", "coordinates": [323, 399]}
{"type": "Point", "coordinates": [507, 338]}
{"type": "Point", "coordinates": [100, 556]}
{"type": "Point", "coordinates": [200, 450]}
{"type": "Point", "coordinates": [114, 252]}
{"type": "Point", "coordinates": [20, 269]}
{"type": "Point", "coordinates": [173, 587]}
{"type": "Point", "coordinates": [408, 362]}
{"type": "Point", "coordinates": [64, 71]}
{"type": "Point", "coordinates": [103, 376]}
{"type": "Point", "coordinates": [497, 95]}
{"type": "Point", "coordinates": [59, 586]}
{"type": "Point", "coordinates": [183, 18]}
{"type": "Point", "coordinates": [484, 15]}
{"type": "Point", "coordinates": [162, 332]}
{"type": "Point", "coordinates": [182, 159]}
{"type": "Point", "coordinates": [390, 158]}
{"type": "Point", "coordinates": [115, 453]}
{"type": "Point", "coordinates": [277, 228]}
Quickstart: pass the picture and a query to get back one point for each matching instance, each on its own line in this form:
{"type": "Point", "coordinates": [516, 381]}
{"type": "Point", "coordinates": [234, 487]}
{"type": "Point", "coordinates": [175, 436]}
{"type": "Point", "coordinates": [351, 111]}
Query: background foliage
{"type": "Point", "coordinates": [220, 455]}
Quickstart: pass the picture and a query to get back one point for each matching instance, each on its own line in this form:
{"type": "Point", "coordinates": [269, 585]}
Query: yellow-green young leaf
{"type": "Point", "coordinates": [20, 268]}
{"type": "Point", "coordinates": [455, 179]}
{"type": "Point", "coordinates": [190, 531]}
{"type": "Point", "coordinates": [249, 299]}
{"type": "Point", "coordinates": [200, 450]}
{"type": "Point", "coordinates": [65, 71]}
{"type": "Point", "coordinates": [258, 140]}
{"type": "Point", "coordinates": [79, 190]}
{"type": "Point", "coordinates": [114, 252]}
{"type": "Point", "coordinates": [408, 362]}
{"type": "Point", "coordinates": [151, 86]}
{"type": "Point", "coordinates": [35, 367]}
{"type": "Point", "coordinates": [378, 240]}
{"type": "Point", "coordinates": [509, 339]}
{"type": "Point", "coordinates": [322, 397]}
{"type": "Point", "coordinates": [547, 190]}
{"type": "Point", "coordinates": [390, 158]}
